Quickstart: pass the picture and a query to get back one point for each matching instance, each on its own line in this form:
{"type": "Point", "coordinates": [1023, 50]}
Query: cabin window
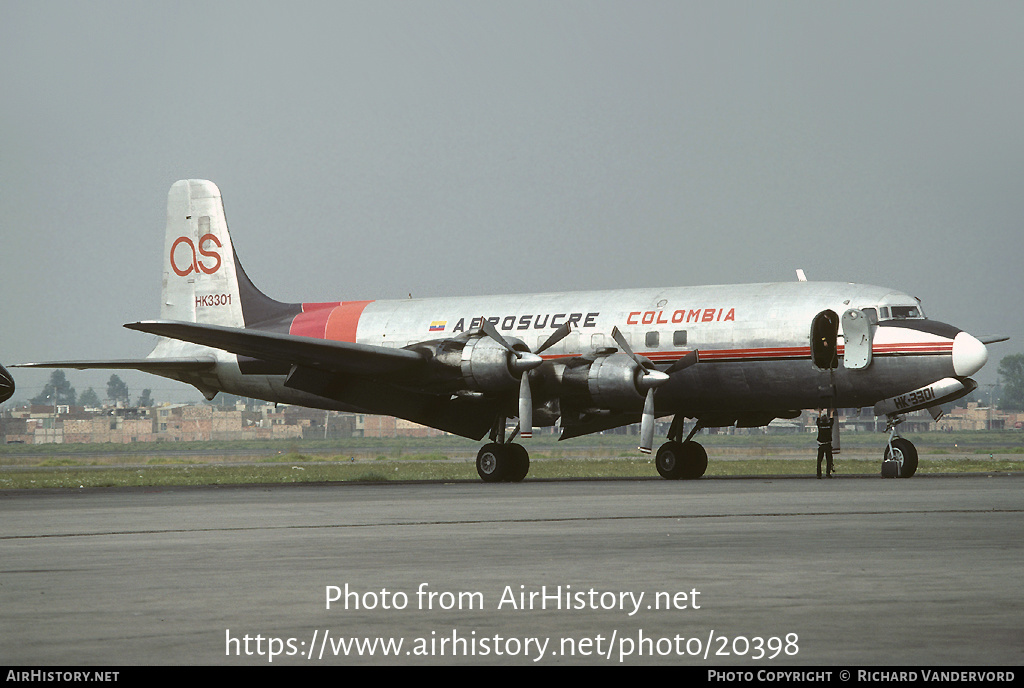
{"type": "Point", "coordinates": [652, 340]}
{"type": "Point", "coordinates": [679, 338]}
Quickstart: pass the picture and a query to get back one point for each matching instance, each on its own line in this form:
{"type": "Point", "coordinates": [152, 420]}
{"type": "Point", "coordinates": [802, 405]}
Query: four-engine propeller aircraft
{"type": "Point", "coordinates": [737, 355]}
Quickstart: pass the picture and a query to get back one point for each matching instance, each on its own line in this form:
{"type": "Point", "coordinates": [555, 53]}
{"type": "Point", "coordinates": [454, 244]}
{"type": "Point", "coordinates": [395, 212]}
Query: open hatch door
{"type": "Point", "coordinates": [857, 333]}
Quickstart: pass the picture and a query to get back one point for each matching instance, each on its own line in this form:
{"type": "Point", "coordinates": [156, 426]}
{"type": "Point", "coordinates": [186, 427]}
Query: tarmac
{"type": "Point", "coordinates": [752, 573]}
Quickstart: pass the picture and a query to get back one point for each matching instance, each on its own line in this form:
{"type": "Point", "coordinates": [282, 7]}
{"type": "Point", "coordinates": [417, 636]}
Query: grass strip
{"type": "Point", "coordinates": [436, 468]}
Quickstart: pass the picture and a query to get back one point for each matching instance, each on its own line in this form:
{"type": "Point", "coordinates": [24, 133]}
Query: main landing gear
{"type": "Point", "coordinates": [900, 457]}
{"type": "Point", "coordinates": [502, 463]}
{"type": "Point", "coordinates": [680, 459]}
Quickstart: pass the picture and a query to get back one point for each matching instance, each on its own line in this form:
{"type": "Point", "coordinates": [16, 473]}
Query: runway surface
{"type": "Point", "coordinates": [851, 571]}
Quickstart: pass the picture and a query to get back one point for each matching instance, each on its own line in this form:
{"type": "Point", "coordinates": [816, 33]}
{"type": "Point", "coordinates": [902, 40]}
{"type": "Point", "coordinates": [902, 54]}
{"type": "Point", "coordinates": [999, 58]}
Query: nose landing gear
{"type": "Point", "coordinates": [900, 457]}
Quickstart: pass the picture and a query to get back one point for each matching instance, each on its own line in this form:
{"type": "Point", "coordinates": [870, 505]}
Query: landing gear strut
{"type": "Point", "coordinates": [899, 451]}
{"type": "Point", "coordinates": [680, 459]}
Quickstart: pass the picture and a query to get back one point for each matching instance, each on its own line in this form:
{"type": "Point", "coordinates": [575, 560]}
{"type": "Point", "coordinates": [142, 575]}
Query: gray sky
{"type": "Point", "coordinates": [373, 149]}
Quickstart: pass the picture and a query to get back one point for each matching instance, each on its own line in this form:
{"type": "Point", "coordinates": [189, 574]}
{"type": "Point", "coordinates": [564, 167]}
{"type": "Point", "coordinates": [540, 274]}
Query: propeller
{"type": "Point", "coordinates": [523, 362]}
{"type": "Point", "coordinates": [649, 382]}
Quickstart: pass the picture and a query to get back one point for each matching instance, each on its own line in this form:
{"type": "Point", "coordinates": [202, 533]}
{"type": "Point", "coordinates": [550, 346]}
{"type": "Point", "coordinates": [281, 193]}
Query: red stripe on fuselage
{"type": "Point", "coordinates": [312, 321]}
{"type": "Point", "coordinates": [344, 320]}
{"type": "Point", "coordinates": [782, 353]}
{"type": "Point", "coordinates": [337, 320]}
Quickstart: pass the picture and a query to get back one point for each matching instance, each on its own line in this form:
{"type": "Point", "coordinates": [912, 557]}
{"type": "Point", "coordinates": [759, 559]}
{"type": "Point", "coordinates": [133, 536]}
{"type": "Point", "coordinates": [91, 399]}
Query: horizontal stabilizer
{"type": "Point", "coordinates": [341, 357]}
{"type": "Point", "coordinates": [992, 338]}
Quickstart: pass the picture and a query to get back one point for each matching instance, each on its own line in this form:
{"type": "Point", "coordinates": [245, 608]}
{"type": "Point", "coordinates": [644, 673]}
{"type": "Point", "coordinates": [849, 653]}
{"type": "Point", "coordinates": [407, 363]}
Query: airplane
{"type": "Point", "coordinates": [725, 355]}
{"type": "Point", "coordinates": [6, 385]}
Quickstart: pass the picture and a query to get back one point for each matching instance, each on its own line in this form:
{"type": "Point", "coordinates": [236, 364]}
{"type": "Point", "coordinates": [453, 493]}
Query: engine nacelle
{"type": "Point", "coordinates": [477, 364]}
{"type": "Point", "coordinates": [609, 382]}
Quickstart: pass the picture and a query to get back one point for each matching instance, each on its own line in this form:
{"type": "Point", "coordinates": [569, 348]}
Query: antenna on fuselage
{"type": "Point", "coordinates": [800, 276]}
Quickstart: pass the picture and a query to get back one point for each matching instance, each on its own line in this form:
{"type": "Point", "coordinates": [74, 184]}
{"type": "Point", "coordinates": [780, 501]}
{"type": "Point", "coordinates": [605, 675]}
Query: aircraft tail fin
{"type": "Point", "coordinates": [203, 281]}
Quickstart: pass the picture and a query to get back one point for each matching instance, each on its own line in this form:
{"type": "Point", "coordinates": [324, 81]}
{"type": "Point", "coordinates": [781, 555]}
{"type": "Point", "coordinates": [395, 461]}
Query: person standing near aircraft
{"type": "Point", "coordinates": [825, 422]}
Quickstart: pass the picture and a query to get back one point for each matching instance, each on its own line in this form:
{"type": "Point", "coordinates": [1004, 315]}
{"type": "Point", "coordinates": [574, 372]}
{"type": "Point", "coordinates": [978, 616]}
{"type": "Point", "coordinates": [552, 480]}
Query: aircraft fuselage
{"type": "Point", "coordinates": [754, 341]}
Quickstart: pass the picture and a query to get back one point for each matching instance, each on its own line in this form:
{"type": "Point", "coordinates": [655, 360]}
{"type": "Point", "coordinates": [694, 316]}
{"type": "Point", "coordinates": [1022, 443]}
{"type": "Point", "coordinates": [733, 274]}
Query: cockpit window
{"type": "Point", "coordinates": [900, 313]}
{"type": "Point", "coordinates": [904, 312]}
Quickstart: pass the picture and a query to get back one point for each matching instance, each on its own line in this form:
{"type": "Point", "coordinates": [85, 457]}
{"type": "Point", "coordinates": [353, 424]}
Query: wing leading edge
{"type": "Point", "coordinates": [327, 355]}
{"type": "Point", "coordinates": [157, 366]}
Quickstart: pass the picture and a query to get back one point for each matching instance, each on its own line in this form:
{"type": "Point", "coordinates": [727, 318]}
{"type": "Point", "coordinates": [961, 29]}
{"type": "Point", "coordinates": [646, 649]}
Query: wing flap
{"type": "Point", "coordinates": [339, 357]}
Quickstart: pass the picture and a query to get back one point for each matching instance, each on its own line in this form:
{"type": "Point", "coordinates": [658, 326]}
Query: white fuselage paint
{"type": "Point", "coordinates": [754, 341]}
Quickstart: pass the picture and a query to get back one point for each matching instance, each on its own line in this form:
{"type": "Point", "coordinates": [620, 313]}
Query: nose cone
{"type": "Point", "coordinates": [652, 379]}
{"type": "Point", "coordinates": [525, 361]}
{"type": "Point", "coordinates": [969, 355]}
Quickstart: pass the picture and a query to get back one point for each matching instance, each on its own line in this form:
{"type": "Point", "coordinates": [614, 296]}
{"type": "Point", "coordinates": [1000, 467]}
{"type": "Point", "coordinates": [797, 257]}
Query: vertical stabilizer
{"type": "Point", "coordinates": [203, 281]}
{"type": "Point", "coordinates": [200, 281]}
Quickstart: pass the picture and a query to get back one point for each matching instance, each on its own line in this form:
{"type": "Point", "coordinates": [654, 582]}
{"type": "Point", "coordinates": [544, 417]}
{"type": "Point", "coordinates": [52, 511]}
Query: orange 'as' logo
{"type": "Point", "coordinates": [196, 265]}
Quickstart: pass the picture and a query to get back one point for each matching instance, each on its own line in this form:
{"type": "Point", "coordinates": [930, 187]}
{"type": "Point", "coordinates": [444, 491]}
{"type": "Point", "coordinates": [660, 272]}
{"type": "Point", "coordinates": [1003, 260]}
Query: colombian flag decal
{"type": "Point", "coordinates": [438, 325]}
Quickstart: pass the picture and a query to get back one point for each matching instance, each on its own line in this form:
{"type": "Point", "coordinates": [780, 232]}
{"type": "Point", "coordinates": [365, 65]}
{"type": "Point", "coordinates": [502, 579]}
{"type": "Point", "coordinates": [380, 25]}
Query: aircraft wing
{"type": "Point", "coordinates": [334, 356]}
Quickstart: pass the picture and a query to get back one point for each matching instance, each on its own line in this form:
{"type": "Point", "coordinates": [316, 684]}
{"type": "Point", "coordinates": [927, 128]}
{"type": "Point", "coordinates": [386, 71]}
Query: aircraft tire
{"type": "Point", "coordinates": [669, 460]}
{"type": "Point", "coordinates": [492, 462]}
{"type": "Point", "coordinates": [681, 460]}
{"type": "Point", "coordinates": [905, 452]}
{"type": "Point", "coordinates": [695, 460]}
{"type": "Point", "coordinates": [519, 462]}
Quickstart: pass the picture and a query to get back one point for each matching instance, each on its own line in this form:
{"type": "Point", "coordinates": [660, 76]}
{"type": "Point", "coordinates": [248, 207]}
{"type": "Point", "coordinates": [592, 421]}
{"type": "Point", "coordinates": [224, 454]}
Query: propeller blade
{"type": "Point", "coordinates": [558, 335]}
{"type": "Point", "coordinates": [624, 345]}
{"type": "Point", "coordinates": [688, 359]}
{"type": "Point", "coordinates": [525, 407]}
{"type": "Point", "coordinates": [647, 423]}
{"type": "Point", "coordinates": [488, 329]}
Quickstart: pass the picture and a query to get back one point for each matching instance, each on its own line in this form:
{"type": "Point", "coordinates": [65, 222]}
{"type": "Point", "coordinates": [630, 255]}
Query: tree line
{"type": "Point", "coordinates": [59, 392]}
